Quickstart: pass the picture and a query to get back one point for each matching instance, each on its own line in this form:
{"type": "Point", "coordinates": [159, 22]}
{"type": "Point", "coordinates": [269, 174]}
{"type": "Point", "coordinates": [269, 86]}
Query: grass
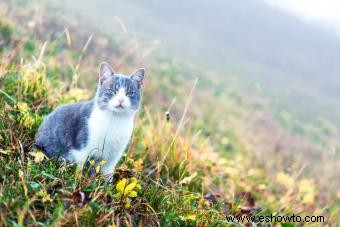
{"type": "Point", "coordinates": [171, 174]}
{"type": "Point", "coordinates": [39, 191]}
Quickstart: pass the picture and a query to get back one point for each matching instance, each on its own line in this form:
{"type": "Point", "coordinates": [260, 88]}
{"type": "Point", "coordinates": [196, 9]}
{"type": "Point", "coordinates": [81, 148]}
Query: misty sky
{"type": "Point", "coordinates": [322, 12]}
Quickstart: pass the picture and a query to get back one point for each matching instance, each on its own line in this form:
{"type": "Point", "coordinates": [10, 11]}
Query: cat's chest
{"type": "Point", "coordinates": [109, 133]}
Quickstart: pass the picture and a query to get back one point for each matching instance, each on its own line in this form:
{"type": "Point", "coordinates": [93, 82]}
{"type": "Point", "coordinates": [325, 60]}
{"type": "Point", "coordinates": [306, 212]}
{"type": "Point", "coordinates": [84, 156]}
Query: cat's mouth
{"type": "Point", "coordinates": [120, 106]}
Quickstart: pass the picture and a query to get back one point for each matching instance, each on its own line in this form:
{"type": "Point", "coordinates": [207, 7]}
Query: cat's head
{"type": "Point", "coordinates": [118, 93]}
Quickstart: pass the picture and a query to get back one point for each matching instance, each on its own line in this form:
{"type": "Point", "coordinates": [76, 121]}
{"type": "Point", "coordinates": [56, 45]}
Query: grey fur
{"type": "Point", "coordinates": [64, 129]}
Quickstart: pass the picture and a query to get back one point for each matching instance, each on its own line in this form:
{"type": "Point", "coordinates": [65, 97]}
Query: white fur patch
{"type": "Point", "coordinates": [109, 135]}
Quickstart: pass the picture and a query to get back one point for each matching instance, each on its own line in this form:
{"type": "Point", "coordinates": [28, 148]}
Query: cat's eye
{"type": "Point", "coordinates": [111, 91]}
{"type": "Point", "coordinates": [129, 93]}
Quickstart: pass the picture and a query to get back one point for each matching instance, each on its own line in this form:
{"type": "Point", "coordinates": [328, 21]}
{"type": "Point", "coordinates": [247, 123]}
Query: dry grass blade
{"type": "Point", "coordinates": [179, 127]}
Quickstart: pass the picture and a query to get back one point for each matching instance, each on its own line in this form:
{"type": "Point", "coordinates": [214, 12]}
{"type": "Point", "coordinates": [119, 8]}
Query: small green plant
{"type": "Point", "coordinates": [127, 189]}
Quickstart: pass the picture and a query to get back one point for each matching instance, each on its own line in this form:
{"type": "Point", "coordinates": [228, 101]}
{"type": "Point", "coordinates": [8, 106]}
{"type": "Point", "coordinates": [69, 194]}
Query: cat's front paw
{"type": "Point", "coordinates": [109, 177]}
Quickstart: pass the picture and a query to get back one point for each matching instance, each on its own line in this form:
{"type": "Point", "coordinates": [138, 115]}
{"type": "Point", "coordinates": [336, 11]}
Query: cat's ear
{"type": "Point", "coordinates": [138, 76]}
{"type": "Point", "coordinates": [105, 72]}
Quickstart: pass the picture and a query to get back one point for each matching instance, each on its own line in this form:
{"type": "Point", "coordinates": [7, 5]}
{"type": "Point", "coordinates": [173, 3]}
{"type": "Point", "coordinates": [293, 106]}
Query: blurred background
{"type": "Point", "coordinates": [280, 57]}
{"type": "Point", "coordinates": [268, 70]}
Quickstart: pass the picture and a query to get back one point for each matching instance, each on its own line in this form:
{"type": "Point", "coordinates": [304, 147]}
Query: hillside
{"type": "Point", "coordinates": [192, 169]}
{"type": "Point", "coordinates": [294, 63]}
{"type": "Point", "coordinates": [280, 72]}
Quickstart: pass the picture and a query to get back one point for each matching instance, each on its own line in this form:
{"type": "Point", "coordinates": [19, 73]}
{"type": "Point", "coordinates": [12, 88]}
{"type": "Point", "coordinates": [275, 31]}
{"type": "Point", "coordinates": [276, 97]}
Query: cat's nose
{"type": "Point", "coordinates": [121, 100]}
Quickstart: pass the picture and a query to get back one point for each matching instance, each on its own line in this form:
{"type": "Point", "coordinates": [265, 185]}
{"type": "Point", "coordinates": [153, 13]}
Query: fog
{"type": "Point", "coordinates": [295, 62]}
{"type": "Point", "coordinates": [323, 13]}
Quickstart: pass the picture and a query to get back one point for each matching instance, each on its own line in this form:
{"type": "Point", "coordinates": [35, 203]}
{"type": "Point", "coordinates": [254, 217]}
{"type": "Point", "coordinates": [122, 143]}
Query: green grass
{"type": "Point", "coordinates": [35, 191]}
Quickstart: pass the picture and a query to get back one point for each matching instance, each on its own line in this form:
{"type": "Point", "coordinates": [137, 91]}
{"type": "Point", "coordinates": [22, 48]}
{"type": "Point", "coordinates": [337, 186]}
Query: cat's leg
{"type": "Point", "coordinates": [79, 157]}
{"type": "Point", "coordinates": [109, 169]}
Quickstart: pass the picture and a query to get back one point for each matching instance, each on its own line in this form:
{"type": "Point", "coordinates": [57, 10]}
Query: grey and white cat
{"type": "Point", "coordinates": [98, 129]}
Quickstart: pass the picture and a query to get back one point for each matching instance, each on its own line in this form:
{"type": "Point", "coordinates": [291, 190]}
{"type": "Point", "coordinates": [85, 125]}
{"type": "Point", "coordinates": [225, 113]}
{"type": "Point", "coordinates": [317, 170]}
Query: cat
{"type": "Point", "coordinates": [98, 129]}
